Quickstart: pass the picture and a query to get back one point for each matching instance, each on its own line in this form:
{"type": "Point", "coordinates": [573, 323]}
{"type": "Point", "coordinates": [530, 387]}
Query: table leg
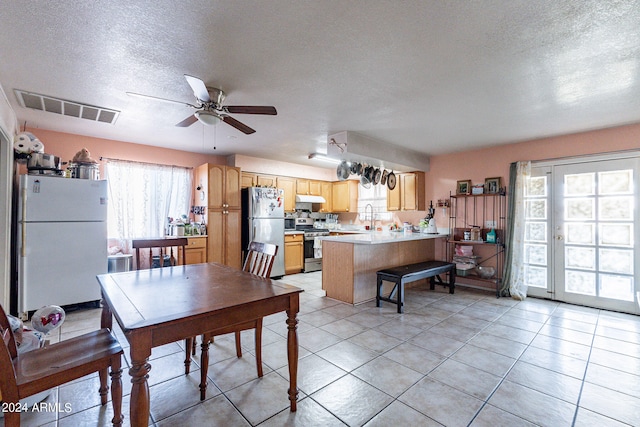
{"type": "Point", "coordinates": [106, 320]}
{"type": "Point", "coordinates": [204, 366]}
{"type": "Point", "coordinates": [292, 355]}
{"type": "Point", "coordinates": [139, 407]}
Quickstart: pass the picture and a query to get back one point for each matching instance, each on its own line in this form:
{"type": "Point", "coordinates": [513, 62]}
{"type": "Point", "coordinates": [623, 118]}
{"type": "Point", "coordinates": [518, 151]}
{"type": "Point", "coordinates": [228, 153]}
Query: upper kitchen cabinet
{"type": "Point", "coordinates": [224, 187]}
{"type": "Point", "coordinates": [289, 187]}
{"type": "Point", "coordinates": [409, 194]}
{"type": "Point", "coordinates": [327, 193]}
{"type": "Point", "coordinates": [345, 196]}
{"type": "Point", "coordinates": [267, 181]}
{"type": "Point", "coordinates": [248, 179]}
{"type": "Point", "coordinates": [308, 187]}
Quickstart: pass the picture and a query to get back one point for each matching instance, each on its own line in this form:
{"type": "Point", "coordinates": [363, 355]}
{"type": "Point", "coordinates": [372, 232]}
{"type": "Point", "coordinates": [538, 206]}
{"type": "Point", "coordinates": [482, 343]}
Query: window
{"type": "Point", "coordinates": [376, 196]}
{"type": "Point", "coordinates": [143, 195]}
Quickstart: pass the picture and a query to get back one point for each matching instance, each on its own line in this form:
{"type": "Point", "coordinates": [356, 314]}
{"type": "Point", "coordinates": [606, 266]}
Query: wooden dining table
{"type": "Point", "coordinates": [164, 305]}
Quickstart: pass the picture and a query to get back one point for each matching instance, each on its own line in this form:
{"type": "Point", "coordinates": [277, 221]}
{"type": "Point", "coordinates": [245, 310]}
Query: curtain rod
{"type": "Point", "coordinates": [143, 163]}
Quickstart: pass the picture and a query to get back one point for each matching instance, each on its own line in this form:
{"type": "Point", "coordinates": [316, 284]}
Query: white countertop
{"type": "Point", "coordinates": [290, 232]}
{"type": "Point", "coordinates": [378, 237]}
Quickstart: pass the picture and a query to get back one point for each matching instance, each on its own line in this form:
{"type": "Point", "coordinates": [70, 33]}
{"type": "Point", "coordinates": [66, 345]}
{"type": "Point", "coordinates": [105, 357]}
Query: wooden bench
{"type": "Point", "coordinates": [411, 273]}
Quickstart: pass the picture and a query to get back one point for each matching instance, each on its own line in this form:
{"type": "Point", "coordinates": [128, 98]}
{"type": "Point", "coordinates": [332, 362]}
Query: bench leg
{"type": "Point", "coordinates": [379, 287]}
{"type": "Point", "coordinates": [400, 300]}
{"type": "Point", "coordinates": [452, 280]}
{"type": "Point", "coordinates": [432, 283]}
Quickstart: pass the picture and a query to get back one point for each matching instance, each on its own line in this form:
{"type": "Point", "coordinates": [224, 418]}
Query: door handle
{"type": "Point", "coordinates": [559, 237]}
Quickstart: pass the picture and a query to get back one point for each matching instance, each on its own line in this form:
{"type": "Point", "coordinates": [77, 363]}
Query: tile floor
{"type": "Point", "coordinates": [454, 360]}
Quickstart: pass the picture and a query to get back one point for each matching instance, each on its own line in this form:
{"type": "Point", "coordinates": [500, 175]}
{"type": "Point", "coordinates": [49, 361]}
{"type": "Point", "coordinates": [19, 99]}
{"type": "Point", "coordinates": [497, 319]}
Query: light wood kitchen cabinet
{"type": "Point", "coordinates": [267, 181]}
{"type": "Point", "coordinates": [315, 188]}
{"type": "Point", "coordinates": [293, 253]}
{"type": "Point", "coordinates": [224, 243]}
{"type": "Point", "coordinates": [196, 250]}
{"type": "Point", "coordinates": [289, 187]}
{"type": "Point", "coordinates": [302, 186]}
{"type": "Point", "coordinates": [248, 179]}
{"type": "Point", "coordinates": [409, 194]}
{"type": "Point", "coordinates": [327, 193]}
{"type": "Point", "coordinates": [345, 196]}
{"type": "Point", "coordinates": [224, 215]}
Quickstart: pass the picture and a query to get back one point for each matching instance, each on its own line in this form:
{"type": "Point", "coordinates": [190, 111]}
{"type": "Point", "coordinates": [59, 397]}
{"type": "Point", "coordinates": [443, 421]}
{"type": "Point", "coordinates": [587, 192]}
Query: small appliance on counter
{"type": "Point", "coordinates": [430, 220]}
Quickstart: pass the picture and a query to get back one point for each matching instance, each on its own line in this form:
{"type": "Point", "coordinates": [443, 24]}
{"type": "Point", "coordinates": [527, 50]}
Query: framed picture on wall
{"type": "Point", "coordinates": [463, 187]}
{"type": "Point", "coordinates": [492, 185]}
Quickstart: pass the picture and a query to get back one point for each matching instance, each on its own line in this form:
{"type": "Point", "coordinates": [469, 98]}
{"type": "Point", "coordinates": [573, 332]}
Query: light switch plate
{"type": "Point", "coordinates": [489, 224]}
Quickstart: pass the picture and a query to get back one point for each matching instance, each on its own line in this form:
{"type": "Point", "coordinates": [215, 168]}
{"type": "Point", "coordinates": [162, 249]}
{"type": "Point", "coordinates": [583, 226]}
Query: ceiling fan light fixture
{"type": "Point", "coordinates": [207, 117]}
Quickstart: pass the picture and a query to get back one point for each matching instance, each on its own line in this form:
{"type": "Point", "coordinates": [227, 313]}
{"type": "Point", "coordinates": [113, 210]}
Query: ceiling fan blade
{"type": "Point", "coordinates": [199, 88]}
{"type": "Point", "coordinates": [187, 122]}
{"type": "Point", "coordinates": [249, 109]}
{"type": "Point", "coordinates": [238, 125]}
{"type": "Point", "coordinates": [155, 98]}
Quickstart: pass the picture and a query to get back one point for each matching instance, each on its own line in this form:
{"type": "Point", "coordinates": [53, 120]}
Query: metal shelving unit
{"type": "Point", "coordinates": [479, 210]}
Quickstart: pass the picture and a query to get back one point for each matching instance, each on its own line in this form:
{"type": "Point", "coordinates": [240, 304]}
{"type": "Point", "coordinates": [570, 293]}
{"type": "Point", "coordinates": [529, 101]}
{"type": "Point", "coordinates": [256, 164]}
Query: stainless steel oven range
{"type": "Point", "coordinates": [312, 247]}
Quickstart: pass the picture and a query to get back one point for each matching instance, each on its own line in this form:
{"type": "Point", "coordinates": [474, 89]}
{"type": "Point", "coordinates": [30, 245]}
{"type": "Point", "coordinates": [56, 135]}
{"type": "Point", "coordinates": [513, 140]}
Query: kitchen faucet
{"type": "Point", "coordinates": [371, 218]}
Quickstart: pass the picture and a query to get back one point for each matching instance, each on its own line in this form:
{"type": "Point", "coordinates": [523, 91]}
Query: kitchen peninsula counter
{"type": "Point", "coordinates": [350, 262]}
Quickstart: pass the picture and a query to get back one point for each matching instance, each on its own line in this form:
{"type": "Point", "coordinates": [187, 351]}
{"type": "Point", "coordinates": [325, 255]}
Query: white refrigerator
{"type": "Point", "coordinates": [62, 240]}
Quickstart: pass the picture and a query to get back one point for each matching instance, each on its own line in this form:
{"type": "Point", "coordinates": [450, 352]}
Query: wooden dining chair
{"type": "Point", "coordinates": [35, 371]}
{"type": "Point", "coordinates": [259, 261]}
{"type": "Point", "coordinates": [162, 247]}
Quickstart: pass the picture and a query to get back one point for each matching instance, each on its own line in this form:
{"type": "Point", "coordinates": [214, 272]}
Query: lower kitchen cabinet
{"type": "Point", "coordinates": [293, 253]}
{"type": "Point", "coordinates": [196, 250]}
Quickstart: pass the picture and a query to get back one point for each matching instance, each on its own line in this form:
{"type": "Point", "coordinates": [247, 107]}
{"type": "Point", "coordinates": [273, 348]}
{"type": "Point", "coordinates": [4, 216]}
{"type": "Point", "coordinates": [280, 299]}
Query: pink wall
{"type": "Point", "coordinates": [477, 165]}
{"type": "Point", "coordinates": [65, 146]}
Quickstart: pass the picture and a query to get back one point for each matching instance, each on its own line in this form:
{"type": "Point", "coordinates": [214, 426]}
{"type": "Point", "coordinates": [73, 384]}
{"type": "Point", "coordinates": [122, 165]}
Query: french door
{"type": "Point", "coordinates": [581, 233]}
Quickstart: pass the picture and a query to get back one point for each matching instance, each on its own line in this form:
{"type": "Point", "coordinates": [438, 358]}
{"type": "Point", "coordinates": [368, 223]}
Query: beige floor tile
{"type": "Point", "coordinates": [314, 373]}
{"type": "Point", "coordinates": [614, 379]}
{"type": "Point", "coordinates": [490, 416]}
{"type": "Point", "coordinates": [546, 381]}
{"type": "Point", "coordinates": [275, 354]}
{"type": "Point", "coordinates": [96, 416]}
{"type": "Point", "coordinates": [399, 414]}
{"type": "Point", "coordinates": [388, 375]}
{"type": "Point", "coordinates": [441, 402]}
{"type": "Point", "coordinates": [352, 400]}
{"type": "Point", "coordinates": [509, 319]}
{"type": "Point", "coordinates": [453, 330]}
{"type": "Point", "coordinates": [436, 343]}
{"type": "Point", "coordinates": [613, 404]}
{"type": "Point", "coordinates": [343, 328]}
{"type": "Point", "coordinates": [316, 339]}
{"type": "Point", "coordinates": [556, 362]}
{"type": "Point", "coordinates": [570, 335]}
{"type": "Point", "coordinates": [617, 346]}
{"type": "Point", "coordinates": [415, 357]}
{"type": "Point", "coordinates": [318, 318]}
{"type": "Point", "coordinates": [346, 355]}
{"type": "Point", "coordinates": [170, 397]}
{"type": "Point", "coordinates": [485, 360]}
{"type": "Point", "coordinates": [375, 340]}
{"type": "Point", "coordinates": [212, 412]}
{"type": "Point", "coordinates": [618, 334]}
{"type": "Point", "coordinates": [575, 325]}
{"type": "Point", "coordinates": [586, 418]}
{"type": "Point", "coordinates": [510, 333]}
{"type": "Point", "coordinates": [499, 345]}
{"type": "Point", "coordinates": [614, 360]}
{"type": "Point", "coordinates": [533, 406]}
{"type": "Point", "coordinates": [400, 329]}
{"type": "Point", "coordinates": [477, 383]}
{"type": "Point", "coordinates": [561, 346]}
{"type": "Point", "coordinates": [261, 398]}
{"type": "Point", "coordinates": [231, 373]}
{"type": "Point", "coordinates": [308, 414]}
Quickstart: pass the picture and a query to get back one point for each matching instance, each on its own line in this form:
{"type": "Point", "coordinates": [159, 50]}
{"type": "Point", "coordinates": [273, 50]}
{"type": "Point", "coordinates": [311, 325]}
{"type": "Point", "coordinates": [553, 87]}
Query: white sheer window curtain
{"type": "Point", "coordinates": [142, 196]}
{"type": "Point", "coordinates": [376, 196]}
{"type": "Point", "coordinates": [515, 259]}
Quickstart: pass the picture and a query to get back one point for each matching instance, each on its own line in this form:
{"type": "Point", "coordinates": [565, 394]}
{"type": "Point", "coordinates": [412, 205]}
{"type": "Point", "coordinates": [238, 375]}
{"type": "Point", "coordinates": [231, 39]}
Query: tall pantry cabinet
{"type": "Point", "coordinates": [224, 209]}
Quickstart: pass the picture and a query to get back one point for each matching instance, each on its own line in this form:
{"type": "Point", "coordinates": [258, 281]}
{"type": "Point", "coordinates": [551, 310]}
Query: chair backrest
{"type": "Point", "coordinates": [8, 352]}
{"type": "Point", "coordinates": [260, 257]}
{"type": "Point", "coordinates": [164, 246]}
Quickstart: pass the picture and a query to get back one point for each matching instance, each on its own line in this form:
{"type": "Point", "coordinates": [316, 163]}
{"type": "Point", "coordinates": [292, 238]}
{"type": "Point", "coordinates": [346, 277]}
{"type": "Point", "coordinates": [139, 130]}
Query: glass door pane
{"type": "Point", "coordinates": [537, 253]}
{"type": "Point", "coordinates": [595, 230]}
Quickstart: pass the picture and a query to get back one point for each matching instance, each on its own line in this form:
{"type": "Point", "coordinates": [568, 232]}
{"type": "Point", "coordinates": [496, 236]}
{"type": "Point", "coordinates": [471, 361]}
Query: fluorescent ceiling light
{"type": "Point", "coordinates": [323, 158]}
{"type": "Point", "coordinates": [207, 117]}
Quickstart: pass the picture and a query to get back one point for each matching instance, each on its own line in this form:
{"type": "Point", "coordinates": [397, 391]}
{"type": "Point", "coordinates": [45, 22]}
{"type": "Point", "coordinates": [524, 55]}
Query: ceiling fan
{"type": "Point", "coordinates": [210, 109]}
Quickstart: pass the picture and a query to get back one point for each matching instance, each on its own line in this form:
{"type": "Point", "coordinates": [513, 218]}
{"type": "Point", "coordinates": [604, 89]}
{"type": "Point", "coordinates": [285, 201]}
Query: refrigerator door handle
{"type": "Point", "coordinates": [23, 226]}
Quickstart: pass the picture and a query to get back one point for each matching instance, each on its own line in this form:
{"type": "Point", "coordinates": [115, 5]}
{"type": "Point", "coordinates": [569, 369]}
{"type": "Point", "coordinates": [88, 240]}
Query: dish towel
{"type": "Point", "coordinates": [317, 247]}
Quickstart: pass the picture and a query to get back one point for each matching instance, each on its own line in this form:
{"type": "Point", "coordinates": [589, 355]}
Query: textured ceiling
{"type": "Point", "coordinates": [433, 76]}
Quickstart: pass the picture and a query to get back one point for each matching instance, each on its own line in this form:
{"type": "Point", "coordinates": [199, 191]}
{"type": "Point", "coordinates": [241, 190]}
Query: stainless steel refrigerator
{"type": "Point", "coordinates": [263, 221]}
{"type": "Point", "coordinates": [62, 240]}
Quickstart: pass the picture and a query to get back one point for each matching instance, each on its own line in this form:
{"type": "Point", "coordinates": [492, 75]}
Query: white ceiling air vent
{"type": "Point", "coordinates": [50, 104]}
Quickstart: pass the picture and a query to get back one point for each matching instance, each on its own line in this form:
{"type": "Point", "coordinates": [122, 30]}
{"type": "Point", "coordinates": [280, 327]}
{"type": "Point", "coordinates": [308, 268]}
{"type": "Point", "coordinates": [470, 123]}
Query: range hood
{"type": "Point", "coordinates": [301, 198]}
